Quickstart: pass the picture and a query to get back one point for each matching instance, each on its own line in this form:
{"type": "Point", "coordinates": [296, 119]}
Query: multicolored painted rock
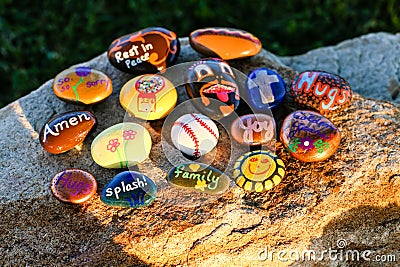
{"type": "Point", "coordinates": [323, 91]}
{"type": "Point", "coordinates": [258, 171]}
{"type": "Point", "coordinates": [225, 43]}
{"type": "Point", "coordinates": [194, 135]}
{"type": "Point", "coordinates": [73, 186]}
{"type": "Point", "coordinates": [147, 51]}
{"type": "Point", "coordinates": [121, 145]}
{"type": "Point", "coordinates": [82, 85]}
{"type": "Point", "coordinates": [199, 177]}
{"type": "Point", "coordinates": [253, 129]}
{"type": "Point", "coordinates": [213, 79]}
{"type": "Point", "coordinates": [129, 189]}
{"type": "Point", "coordinates": [265, 89]}
{"type": "Point", "coordinates": [309, 136]}
{"type": "Point", "coordinates": [66, 131]}
{"type": "Point", "coordinates": [148, 97]}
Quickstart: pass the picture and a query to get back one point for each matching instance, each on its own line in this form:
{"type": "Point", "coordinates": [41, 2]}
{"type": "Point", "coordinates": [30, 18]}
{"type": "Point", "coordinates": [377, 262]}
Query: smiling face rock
{"type": "Point", "coordinates": [213, 82]}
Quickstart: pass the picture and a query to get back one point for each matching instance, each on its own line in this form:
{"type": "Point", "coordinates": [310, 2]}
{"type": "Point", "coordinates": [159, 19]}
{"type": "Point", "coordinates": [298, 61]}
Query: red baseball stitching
{"type": "Point", "coordinates": [202, 123]}
{"type": "Point", "coordinates": [190, 132]}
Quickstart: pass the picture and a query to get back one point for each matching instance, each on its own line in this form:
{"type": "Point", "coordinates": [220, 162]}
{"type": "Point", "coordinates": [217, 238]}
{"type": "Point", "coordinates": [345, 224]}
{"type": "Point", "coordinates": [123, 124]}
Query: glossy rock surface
{"type": "Point", "coordinates": [65, 131]}
{"type": "Point", "coordinates": [73, 186]}
{"type": "Point", "coordinates": [147, 51]}
{"type": "Point", "coordinates": [258, 171]}
{"type": "Point", "coordinates": [212, 82]}
{"type": "Point", "coordinates": [199, 177]}
{"type": "Point", "coordinates": [309, 136]}
{"type": "Point", "coordinates": [121, 145]}
{"type": "Point", "coordinates": [322, 91]}
{"type": "Point", "coordinates": [225, 43]}
{"type": "Point", "coordinates": [148, 97]}
{"type": "Point", "coordinates": [253, 129]}
{"type": "Point", "coordinates": [82, 85]}
{"type": "Point", "coordinates": [129, 189]}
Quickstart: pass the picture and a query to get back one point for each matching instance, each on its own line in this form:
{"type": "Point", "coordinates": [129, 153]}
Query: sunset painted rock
{"type": "Point", "coordinates": [309, 136]}
{"type": "Point", "coordinates": [73, 186]}
{"type": "Point", "coordinates": [265, 89]}
{"type": "Point", "coordinates": [129, 189]}
{"type": "Point", "coordinates": [82, 85]}
{"type": "Point", "coordinates": [225, 43]}
{"type": "Point", "coordinates": [122, 145]}
{"type": "Point", "coordinates": [65, 131]}
{"type": "Point", "coordinates": [148, 97]}
{"type": "Point", "coordinates": [253, 129]}
{"type": "Point", "coordinates": [199, 177]}
{"type": "Point", "coordinates": [147, 51]}
{"type": "Point", "coordinates": [212, 82]}
{"type": "Point", "coordinates": [258, 171]}
{"type": "Point", "coordinates": [322, 91]}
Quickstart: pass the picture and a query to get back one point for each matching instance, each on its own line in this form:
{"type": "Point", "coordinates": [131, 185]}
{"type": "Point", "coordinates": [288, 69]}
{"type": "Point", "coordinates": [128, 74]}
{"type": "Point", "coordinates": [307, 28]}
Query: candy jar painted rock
{"type": "Point", "coordinates": [309, 136]}
{"type": "Point", "coordinates": [258, 171]}
{"type": "Point", "coordinates": [212, 82]}
{"type": "Point", "coordinates": [121, 145]}
{"type": "Point", "coordinates": [65, 131]}
{"type": "Point", "coordinates": [73, 186]}
{"type": "Point", "coordinates": [265, 89]}
{"type": "Point", "coordinates": [147, 51]}
{"type": "Point", "coordinates": [129, 189]}
{"type": "Point", "coordinates": [82, 85]}
{"type": "Point", "coordinates": [253, 129]}
{"type": "Point", "coordinates": [225, 43]}
{"type": "Point", "coordinates": [148, 97]}
{"type": "Point", "coordinates": [322, 91]}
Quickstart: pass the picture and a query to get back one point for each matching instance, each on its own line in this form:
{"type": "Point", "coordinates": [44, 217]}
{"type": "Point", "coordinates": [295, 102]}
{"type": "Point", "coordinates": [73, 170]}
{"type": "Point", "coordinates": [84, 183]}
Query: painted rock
{"type": "Point", "coordinates": [65, 131]}
{"type": "Point", "coordinates": [225, 43]}
{"type": "Point", "coordinates": [258, 171]}
{"type": "Point", "coordinates": [322, 91]}
{"type": "Point", "coordinates": [122, 145]}
{"type": "Point", "coordinates": [253, 129]}
{"type": "Point", "coordinates": [213, 83]}
{"type": "Point", "coordinates": [148, 97]}
{"type": "Point", "coordinates": [129, 189]}
{"type": "Point", "coordinates": [82, 85]}
{"type": "Point", "coordinates": [147, 51]}
{"type": "Point", "coordinates": [265, 89]}
{"type": "Point", "coordinates": [194, 134]}
{"type": "Point", "coordinates": [73, 186]}
{"type": "Point", "coordinates": [309, 136]}
{"type": "Point", "coordinates": [199, 177]}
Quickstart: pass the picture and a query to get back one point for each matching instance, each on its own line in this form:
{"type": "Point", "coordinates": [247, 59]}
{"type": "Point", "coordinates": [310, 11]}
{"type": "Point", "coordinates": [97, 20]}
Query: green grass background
{"type": "Point", "coordinates": [38, 39]}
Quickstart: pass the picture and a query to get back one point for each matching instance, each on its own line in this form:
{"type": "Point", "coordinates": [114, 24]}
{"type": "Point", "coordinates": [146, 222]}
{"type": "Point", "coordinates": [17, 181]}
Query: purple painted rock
{"type": "Point", "coordinates": [253, 129]}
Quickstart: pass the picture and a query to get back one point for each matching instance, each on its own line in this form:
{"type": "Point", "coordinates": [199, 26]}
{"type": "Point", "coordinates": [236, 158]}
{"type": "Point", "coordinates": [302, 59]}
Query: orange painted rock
{"type": "Point", "coordinates": [309, 136]}
{"type": "Point", "coordinates": [82, 85]}
{"type": "Point", "coordinates": [253, 129]}
{"type": "Point", "coordinates": [73, 186]}
{"type": "Point", "coordinates": [65, 131]}
{"type": "Point", "coordinates": [225, 43]}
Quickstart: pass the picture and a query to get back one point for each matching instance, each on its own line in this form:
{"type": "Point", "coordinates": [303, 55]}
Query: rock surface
{"type": "Point", "coordinates": [353, 196]}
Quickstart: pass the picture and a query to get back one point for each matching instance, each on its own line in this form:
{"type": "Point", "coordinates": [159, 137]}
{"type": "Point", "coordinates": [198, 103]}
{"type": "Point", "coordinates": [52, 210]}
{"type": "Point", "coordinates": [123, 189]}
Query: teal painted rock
{"type": "Point", "coordinates": [129, 189]}
{"type": "Point", "coordinates": [199, 177]}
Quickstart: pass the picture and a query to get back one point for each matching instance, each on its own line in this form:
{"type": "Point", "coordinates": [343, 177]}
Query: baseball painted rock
{"type": "Point", "coordinates": [122, 145]}
{"type": "Point", "coordinates": [258, 171]}
{"type": "Point", "coordinates": [82, 85]}
{"type": "Point", "coordinates": [309, 136]}
{"type": "Point", "coordinates": [194, 134]}
{"type": "Point", "coordinates": [212, 82]}
{"type": "Point", "coordinates": [253, 129]}
{"type": "Point", "coordinates": [147, 51]}
{"type": "Point", "coordinates": [148, 97]}
{"type": "Point", "coordinates": [73, 186]}
{"type": "Point", "coordinates": [225, 43]}
{"type": "Point", "coordinates": [65, 131]}
{"type": "Point", "coordinates": [322, 91]}
{"type": "Point", "coordinates": [129, 189]}
{"type": "Point", "coordinates": [265, 89]}
{"type": "Point", "coordinates": [199, 177]}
